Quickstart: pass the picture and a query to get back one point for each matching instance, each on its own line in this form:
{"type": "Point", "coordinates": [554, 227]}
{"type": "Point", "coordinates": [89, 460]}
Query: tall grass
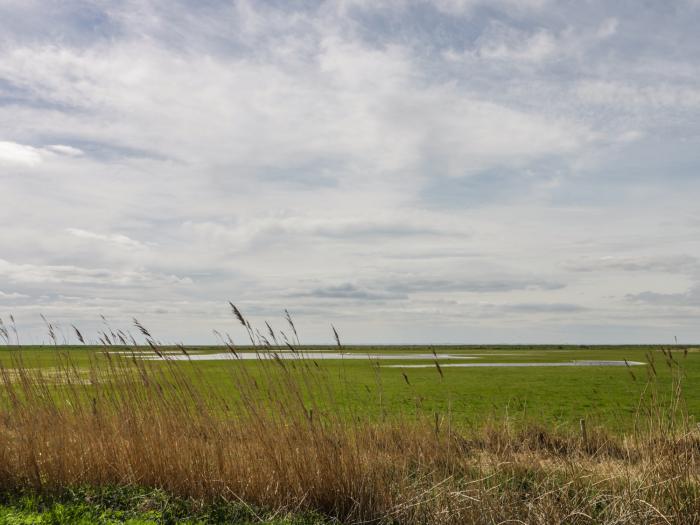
{"type": "Point", "coordinates": [276, 435]}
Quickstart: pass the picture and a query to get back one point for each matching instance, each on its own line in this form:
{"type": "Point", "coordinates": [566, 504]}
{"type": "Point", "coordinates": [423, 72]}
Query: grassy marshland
{"type": "Point", "coordinates": [338, 441]}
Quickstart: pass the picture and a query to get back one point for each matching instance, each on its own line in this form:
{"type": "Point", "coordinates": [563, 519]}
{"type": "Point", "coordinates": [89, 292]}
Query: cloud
{"type": "Point", "coordinates": [491, 167]}
{"type": "Point", "coordinates": [358, 108]}
{"type": "Point", "coordinates": [465, 6]}
{"type": "Point", "coordinates": [19, 154]}
{"type": "Point", "coordinates": [524, 48]}
{"type": "Point", "coordinates": [536, 308]}
{"type": "Point", "coordinates": [457, 285]}
{"type": "Point", "coordinates": [348, 291]}
{"type": "Point", "coordinates": [13, 153]}
{"type": "Point", "coordinates": [115, 238]}
{"type": "Point", "coordinates": [608, 27]}
{"type": "Point", "coordinates": [62, 149]}
{"type": "Point", "coordinates": [275, 228]}
{"type": "Point", "coordinates": [405, 288]}
{"type": "Point", "coordinates": [75, 275]}
{"type": "Point", "coordinates": [674, 264]}
{"type": "Point", "coordinates": [12, 295]}
{"type": "Point", "coordinates": [562, 308]}
{"type": "Point", "coordinates": [502, 42]}
{"type": "Point", "coordinates": [626, 95]}
{"type": "Point", "coordinates": [689, 298]}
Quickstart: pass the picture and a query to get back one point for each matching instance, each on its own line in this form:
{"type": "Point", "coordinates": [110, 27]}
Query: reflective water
{"type": "Point", "coordinates": [290, 355]}
{"type": "Point", "coordinates": [565, 363]}
{"type": "Point", "coordinates": [245, 356]}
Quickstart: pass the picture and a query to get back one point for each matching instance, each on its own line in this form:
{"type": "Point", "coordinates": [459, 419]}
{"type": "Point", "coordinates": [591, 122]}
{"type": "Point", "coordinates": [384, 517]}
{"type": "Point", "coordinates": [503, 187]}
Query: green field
{"type": "Point", "coordinates": [605, 395]}
{"type": "Point", "coordinates": [386, 435]}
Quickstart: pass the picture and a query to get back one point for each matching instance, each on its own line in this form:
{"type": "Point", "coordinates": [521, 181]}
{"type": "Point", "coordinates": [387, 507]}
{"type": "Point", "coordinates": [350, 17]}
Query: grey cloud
{"type": "Point", "coordinates": [349, 291]}
{"type": "Point", "coordinates": [689, 298]}
{"type": "Point", "coordinates": [273, 229]}
{"type": "Point", "coordinates": [113, 151]}
{"type": "Point", "coordinates": [420, 285]}
{"type": "Point", "coordinates": [562, 308]}
{"type": "Point", "coordinates": [15, 95]}
{"type": "Point", "coordinates": [431, 254]}
{"type": "Point", "coordinates": [677, 264]}
{"type": "Point", "coordinates": [370, 229]}
{"type": "Point", "coordinates": [392, 290]}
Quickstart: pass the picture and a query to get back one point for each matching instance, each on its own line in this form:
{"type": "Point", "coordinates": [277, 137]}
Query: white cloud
{"type": "Point", "coordinates": [19, 154]}
{"type": "Point", "coordinates": [70, 274]}
{"type": "Point", "coordinates": [12, 295]}
{"type": "Point", "coordinates": [289, 228]}
{"type": "Point", "coordinates": [115, 238]}
{"type": "Point", "coordinates": [501, 42]}
{"type": "Point", "coordinates": [472, 135]}
{"type": "Point", "coordinates": [359, 108]}
{"type": "Point", "coordinates": [631, 135]}
{"type": "Point", "coordinates": [62, 149]}
{"type": "Point", "coordinates": [642, 97]}
{"type": "Point", "coordinates": [13, 153]}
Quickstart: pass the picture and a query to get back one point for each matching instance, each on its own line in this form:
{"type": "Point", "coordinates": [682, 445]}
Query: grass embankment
{"type": "Point", "coordinates": [282, 436]}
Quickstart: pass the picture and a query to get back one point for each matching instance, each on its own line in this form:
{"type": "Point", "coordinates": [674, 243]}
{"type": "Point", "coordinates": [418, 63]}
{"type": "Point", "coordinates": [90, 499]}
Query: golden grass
{"type": "Point", "coordinates": [283, 442]}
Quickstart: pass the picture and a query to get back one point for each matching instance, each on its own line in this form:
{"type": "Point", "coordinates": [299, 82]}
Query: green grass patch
{"type": "Point", "coordinates": [133, 506]}
{"type": "Point", "coordinates": [560, 396]}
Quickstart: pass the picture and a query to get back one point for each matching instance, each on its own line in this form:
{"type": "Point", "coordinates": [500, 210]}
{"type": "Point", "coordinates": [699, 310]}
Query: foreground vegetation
{"type": "Point", "coordinates": [279, 440]}
{"type": "Point", "coordinates": [134, 506]}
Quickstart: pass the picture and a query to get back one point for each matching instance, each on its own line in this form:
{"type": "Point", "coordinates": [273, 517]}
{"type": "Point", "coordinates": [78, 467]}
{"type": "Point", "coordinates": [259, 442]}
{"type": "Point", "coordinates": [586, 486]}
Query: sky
{"type": "Point", "coordinates": [411, 171]}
